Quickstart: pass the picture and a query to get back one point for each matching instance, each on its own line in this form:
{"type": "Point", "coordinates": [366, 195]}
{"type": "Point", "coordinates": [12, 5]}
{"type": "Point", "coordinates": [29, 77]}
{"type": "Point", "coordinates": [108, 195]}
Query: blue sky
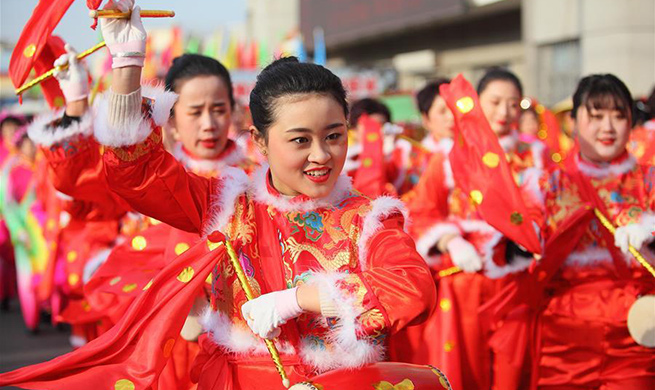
{"type": "Point", "coordinates": [197, 16]}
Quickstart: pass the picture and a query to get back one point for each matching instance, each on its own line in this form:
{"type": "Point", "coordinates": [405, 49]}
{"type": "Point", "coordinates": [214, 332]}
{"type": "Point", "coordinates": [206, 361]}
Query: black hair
{"type": "Point", "coordinates": [650, 103]}
{"type": "Point", "coordinates": [368, 106]}
{"type": "Point", "coordinates": [287, 76]}
{"type": "Point", "coordinates": [496, 73]}
{"type": "Point", "coordinates": [603, 91]}
{"type": "Point", "coordinates": [18, 121]}
{"type": "Point", "coordinates": [188, 66]}
{"type": "Point", "coordinates": [425, 97]}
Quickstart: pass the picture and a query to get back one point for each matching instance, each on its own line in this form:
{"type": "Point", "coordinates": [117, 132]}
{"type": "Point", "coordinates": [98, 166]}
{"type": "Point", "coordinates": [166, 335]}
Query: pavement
{"type": "Point", "coordinates": [19, 347]}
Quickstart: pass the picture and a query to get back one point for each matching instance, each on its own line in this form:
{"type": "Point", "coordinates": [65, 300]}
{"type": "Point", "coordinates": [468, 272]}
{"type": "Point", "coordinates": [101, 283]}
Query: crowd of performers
{"type": "Point", "coordinates": [361, 245]}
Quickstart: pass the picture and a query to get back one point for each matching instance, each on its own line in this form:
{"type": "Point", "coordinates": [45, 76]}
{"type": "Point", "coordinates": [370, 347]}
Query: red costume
{"type": "Point", "coordinates": [354, 248]}
{"type": "Point", "coordinates": [582, 340]}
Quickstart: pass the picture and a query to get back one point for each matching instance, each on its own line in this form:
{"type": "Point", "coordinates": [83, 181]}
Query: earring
{"type": "Point", "coordinates": [263, 152]}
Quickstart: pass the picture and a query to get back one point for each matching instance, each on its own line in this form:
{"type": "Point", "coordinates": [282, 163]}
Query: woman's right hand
{"type": "Point", "coordinates": [125, 38]}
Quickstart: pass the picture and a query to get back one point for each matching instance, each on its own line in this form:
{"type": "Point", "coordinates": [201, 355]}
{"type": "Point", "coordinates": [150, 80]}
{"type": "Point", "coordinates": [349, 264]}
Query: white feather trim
{"type": "Point", "coordinates": [233, 182]}
{"type": "Point", "coordinates": [608, 169]}
{"type": "Point", "coordinates": [235, 338]}
{"type": "Point", "coordinates": [137, 127]}
{"type": "Point", "coordinates": [381, 208]}
{"type": "Point", "coordinates": [77, 341]}
{"type": "Point", "coordinates": [490, 268]}
{"type": "Point", "coordinates": [164, 102]}
{"type": "Point", "coordinates": [44, 134]}
{"type": "Point", "coordinates": [345, 349]}
{"type": "Point", "coordinates": [431, 237]}
{"type": "Point", "coordinates": [260, 193]}
{"type": "Point", "coordinates": [589, 257]}
{"type": "Point", "coordinates": [233, 158]}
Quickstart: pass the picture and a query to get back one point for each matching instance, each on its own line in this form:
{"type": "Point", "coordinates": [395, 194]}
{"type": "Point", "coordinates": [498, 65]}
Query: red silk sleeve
{"type": "Point", "coordinates": [154, 183]}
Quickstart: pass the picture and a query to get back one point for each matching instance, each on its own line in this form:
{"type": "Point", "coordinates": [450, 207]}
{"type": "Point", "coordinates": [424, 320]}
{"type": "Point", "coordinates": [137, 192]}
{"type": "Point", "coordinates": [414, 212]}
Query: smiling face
{"type": "Point", "coordinates": [439, 120]}
{"type": "Point", "coordinates": [602, 133]}
{"type": "Point", "coordinates": [500, 104]}
{"type": "Point", "coordinates": [202, 116]}
{"type": "Point", "coordinates": [306, 144]}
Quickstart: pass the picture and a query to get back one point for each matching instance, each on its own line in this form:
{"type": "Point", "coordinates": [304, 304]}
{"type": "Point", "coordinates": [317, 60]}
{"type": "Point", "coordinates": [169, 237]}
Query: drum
{"type": "Point", "coordinates": [379, 376]}
{"type": "Point", "coordinates": [641, 321]}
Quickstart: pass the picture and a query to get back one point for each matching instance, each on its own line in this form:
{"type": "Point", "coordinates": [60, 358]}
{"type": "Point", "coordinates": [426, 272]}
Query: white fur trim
{"type": "Point", "coordinates": [260, 193]}
{"type": "Point", "coordinates": [233, 158]}
{"type": "Point", "coordinates": [608, 169]}
{"type": "Point", "coordinates": [233, 183]}
{"type": "Point", "coordinates": [345, 348]}
{"type": "Point", "coordinates": [490, 268]}
{"type": "Point", "coordinates": [591, 256]}
{"type": "Point", "coordinates": [235, 338]}
{"type": "Point", "coordinates": [164, 102]}
{"type": "Point", "coordinates": [431, 237]}
{"type": "Point", "coordinates": [43, 134]}
{"type": "Point", "coordinates": [495, 271]}
{"type": "Point", "coordinates": [381, 208]}
{"type": "Point", "coordinates": [476, 225]}
{"type": "Point", "coordinates": [136, 130]}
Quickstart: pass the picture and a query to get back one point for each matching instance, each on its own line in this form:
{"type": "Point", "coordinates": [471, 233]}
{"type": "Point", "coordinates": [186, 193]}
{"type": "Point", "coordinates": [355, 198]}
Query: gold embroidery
{"type": "Point", "coordinates": [341, 259]}
{"type": "Point", "coordinates": [131, 153]}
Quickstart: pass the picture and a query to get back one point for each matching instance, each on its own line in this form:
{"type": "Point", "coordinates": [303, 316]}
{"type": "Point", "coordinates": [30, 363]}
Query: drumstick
{"type": "Point", "coordinates": [638, 256]}
{"type": "Point", "coordinates": [117, 14]}
{"type": "Point", "coordinates": [449, 271]}
{"type": "Point", "coordinates": [51, 72]}
{"type": "Point", "coordinates": [275, 355]}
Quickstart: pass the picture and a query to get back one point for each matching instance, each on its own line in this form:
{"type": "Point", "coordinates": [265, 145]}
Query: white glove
{"type": "Point", "coordinates": [635, 234]}
{"type": "Point", "coordinates": [464, 255]}
{"type": "Point", "coordinates": [73, 81]}
{"type": "Point", "coordinates": [267, 312]}
{"type": "Point", "coordinates": [125, 38]}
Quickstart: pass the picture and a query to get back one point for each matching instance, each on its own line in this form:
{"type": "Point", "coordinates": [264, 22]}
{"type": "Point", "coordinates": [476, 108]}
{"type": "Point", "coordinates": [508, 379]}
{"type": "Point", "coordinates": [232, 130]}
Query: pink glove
{"type": "Point", "coordinates": [267, 312]}
{"type": "Point", "coordinates": [125, 38]}
{"type": "Point", "coordinates": [73, 81]}
{"type": "Point", "coordinates": [464, 255]}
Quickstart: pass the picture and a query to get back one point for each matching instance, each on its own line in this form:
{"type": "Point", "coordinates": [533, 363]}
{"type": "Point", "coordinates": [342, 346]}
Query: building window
{"type": "Point", "coordinates": [558, 70]}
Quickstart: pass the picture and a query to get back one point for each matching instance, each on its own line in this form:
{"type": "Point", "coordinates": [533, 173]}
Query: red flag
{"type": "Point", "coordinates": [480, 168]}
{"type": "Point", "coordinates": [515, 306]}
{"type": "Point", "coordinates": [370, 178]}
{"type": "Point", "coordinates": [33, 39]}
{"type": "Point", "coordinates": [53, 48]}
{"type": "Point", "coordinates": [136, 349]}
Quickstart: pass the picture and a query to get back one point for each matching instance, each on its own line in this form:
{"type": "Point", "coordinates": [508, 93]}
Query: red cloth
{"type": "Point", "coordinates": [32, 40]}
{"type": "Point", "coordinates": [370, 178]}
{"type": "Point", "coordinates": [54, 48]}
{"type": "Point", "coordinates": [138, 347]}
{"type": "Point", "coordinates": [476, 157]}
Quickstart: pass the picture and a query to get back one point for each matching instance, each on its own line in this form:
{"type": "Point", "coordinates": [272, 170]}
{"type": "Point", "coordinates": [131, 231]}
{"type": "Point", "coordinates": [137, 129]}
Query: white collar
{"type": "Point", "coordinates": [259, 189]}
{"type": "Point", "coordinates": [230, 159]}
{"type": "Point", "coordinates": [617, 167]}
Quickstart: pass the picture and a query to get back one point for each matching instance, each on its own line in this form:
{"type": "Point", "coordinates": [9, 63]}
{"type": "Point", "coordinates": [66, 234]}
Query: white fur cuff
{"type": "Point", "coordinates": [42, 132]}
